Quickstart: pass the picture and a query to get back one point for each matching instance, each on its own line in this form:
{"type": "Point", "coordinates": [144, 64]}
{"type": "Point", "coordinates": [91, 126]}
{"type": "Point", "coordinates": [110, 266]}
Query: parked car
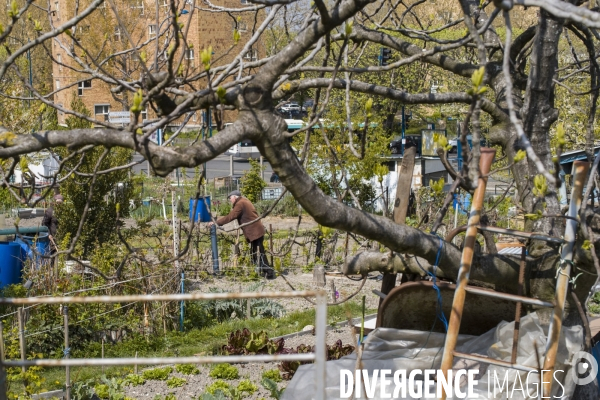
{"type": "Point", "coordinates": [290, 107]}
{"type": "Point", "coordinates": [293, 114]}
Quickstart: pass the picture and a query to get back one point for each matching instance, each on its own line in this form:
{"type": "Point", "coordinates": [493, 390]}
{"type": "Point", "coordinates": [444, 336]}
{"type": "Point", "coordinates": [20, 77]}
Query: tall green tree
{"type": "Point", "coordinates": [92, 199]}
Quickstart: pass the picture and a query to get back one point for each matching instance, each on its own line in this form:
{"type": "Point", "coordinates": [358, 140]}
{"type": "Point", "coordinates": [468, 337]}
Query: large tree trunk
{"type": "Point", "coordinates": [538, 115]}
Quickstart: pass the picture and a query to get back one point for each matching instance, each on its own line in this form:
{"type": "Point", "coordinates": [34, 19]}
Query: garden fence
{"type": "Point", "coordinates": [319, 356]}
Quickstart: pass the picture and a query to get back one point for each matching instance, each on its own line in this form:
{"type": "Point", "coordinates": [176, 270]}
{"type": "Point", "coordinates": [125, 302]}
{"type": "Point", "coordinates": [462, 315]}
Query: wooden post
{"type": "Point", "coordinates": [319, 275]}
{"type": "Point", "coordinates": [21, 336]}
{"type": "Point", "coordinates": [332, 286]}
{"type": "Point", "coordinates": [163, 318]}
{"type": "Point", "coordinates": [135, 367]}
{"type": "Point", "coordinates": [262, 171]}
{"type": "Point", "coordinates": [67, 351]}
{"type": "Point", "coordinates": [103, 353]}
{"type": "Point", "coordinates": [248, 308]}
{"type": "Point", "coordinates": [271, 244]}
{"type": "Point", "coordinates": [400, 206]}
{"type": "Point", "coordinates": [346, 246]}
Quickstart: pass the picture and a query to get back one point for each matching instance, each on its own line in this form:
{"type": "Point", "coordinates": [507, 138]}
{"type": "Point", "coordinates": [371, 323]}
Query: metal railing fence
{"type": "Point", "coordinates": [319, 356]}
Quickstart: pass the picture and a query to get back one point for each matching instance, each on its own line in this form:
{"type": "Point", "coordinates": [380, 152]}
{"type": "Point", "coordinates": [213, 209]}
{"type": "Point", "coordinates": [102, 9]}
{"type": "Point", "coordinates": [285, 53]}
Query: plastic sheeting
{"type": "Point", "coordinates": [393, 349]}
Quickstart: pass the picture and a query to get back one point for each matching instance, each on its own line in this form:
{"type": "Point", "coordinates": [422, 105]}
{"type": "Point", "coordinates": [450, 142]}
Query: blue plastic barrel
{"type": "Point", "coordinates": [202, 211]}
{"type": "Point", "coordinates": [42, 246]}
{"type": "Point", "coordinates": [11, 264]}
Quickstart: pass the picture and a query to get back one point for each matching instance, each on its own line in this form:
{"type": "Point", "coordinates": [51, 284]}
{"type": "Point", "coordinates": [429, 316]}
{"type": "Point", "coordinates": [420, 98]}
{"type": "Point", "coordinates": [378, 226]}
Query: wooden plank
{"type": "Point", "coordinates": [400, 206]}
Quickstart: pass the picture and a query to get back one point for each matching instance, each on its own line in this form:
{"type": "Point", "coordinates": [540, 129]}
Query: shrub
{"type": "Point", "coordinates": [252, 182]}
{"type": "Point", "coordinates": [175, 382]}
{"type": "Point", "coordinates": [157, 374]}
{"type": "Point", "coordinates": [224, 371]}
{"type": "Point", "coordinates": [272, 374]}
{"type": "Point", "coordinates": [187, 369]}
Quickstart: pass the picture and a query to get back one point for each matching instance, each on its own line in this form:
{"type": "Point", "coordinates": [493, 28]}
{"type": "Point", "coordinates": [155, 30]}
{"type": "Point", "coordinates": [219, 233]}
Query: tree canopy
{"type": "Point", "coordinates": [521, 73]}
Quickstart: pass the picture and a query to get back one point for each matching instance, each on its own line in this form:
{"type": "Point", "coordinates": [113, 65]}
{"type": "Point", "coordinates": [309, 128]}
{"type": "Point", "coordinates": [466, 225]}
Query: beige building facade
{"type": "Point", "coordinates": [90, 60]}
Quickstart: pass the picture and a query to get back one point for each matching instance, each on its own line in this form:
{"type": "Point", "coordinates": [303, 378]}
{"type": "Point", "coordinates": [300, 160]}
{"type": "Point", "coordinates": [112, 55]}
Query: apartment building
{"type": "Point", "coordinates": [97, 47]}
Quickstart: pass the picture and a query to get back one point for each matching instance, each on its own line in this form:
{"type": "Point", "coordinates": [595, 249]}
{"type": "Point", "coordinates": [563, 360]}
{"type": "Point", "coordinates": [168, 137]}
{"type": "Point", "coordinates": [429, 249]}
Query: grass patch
{"type": "Point", "coordinates": [205, 341]}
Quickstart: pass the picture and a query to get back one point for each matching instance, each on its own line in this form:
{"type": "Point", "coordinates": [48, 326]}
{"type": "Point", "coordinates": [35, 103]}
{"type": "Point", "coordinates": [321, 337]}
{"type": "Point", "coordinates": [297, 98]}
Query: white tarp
{"type": "Point", "coordinates": [408, 350]}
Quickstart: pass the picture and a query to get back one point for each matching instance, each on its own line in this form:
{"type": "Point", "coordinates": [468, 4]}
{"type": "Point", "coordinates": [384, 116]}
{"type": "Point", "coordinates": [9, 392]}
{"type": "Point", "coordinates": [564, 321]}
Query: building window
{"type": "Point", "coordinates": [59, 61]}
{"type": "Point", "coordinates": [251, 55]}
{"type": "Point", "coordinates": [189, 56]}
{"type": "Point", "coordinates": [57, 84]}
{"type": "Point", "coordinates": [83, 85]}
{"type": "Point", "coordinates": [117, 34]}
{"type": "Point", "coordinates": [244, 1]}
{"type": "Point", "coordinates": [152, 30]}
{"type": "Point", "coordinates": [144, 114]}
{"type": "Point", "coordinates": [139, 5]}
{"type": "Point", "coordinates": [56, 8]}
{"type": "Point", "coordinates": [101, 111]}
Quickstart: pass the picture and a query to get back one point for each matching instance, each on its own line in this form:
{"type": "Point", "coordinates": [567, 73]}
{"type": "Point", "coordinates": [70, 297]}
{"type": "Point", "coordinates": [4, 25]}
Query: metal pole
{"type": "Point", "coordinates": [2, 369]}
{"type": "Point", "coordinates": [153, 297]}
{"type": "Point", "coordinates": [215, 248]}
{"type": "Point", "coordinates": [515, 346]}
{"type": "Point", "coordinates": [320, 348]}
{"type": "Point", "coordinates": [564, 271]}
{"type": "Point", "coordinates": [103, 354]}
{"type": "Point", "coordinates": [231, 165]}
{"type": "Point", "coordinates": [182, 309]}
{"type": "Point", "coordinates": [67, 351]}
{"type": "Point", "coordinates": [21, 335]}
{"type": "Point", "coordinates": [455, 213]}
{"type": "Point", "coordinates": [403, 130]}
{"type": "Point", "coordinates": [207, 121]}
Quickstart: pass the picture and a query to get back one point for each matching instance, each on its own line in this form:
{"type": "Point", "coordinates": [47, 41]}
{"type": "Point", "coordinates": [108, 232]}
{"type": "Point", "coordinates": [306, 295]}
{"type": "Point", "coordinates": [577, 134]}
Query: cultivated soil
{"type": "Point", "coordinates": [196, 384]}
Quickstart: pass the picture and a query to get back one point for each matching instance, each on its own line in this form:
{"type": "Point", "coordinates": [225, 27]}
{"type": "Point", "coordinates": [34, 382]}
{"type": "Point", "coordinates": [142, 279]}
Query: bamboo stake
{"type": "Point", "coordinates": [485, 163]}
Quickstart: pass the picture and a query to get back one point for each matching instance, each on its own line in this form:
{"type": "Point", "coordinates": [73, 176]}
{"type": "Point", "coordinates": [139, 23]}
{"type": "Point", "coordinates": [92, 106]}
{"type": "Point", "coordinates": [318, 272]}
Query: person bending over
{"type": "Point", "coordinates": [243, 211]}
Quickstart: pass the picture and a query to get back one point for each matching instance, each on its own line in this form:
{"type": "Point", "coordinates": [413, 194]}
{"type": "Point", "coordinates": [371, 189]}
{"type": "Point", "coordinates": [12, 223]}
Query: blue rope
{"type": "Point", "coordinates": [66, 352]}
{"type": "Point", "coordinates": [439, 311]}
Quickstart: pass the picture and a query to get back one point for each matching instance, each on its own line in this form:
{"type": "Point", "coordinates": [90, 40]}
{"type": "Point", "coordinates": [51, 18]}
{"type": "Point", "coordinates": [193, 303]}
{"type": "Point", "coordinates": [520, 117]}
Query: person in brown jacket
{"type": "Point", "coordinates": [243, 211]}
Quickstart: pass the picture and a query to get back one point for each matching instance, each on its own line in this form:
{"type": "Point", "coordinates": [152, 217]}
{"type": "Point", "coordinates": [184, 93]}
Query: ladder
{"type": "Point", "coordinates": [563, 277]}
